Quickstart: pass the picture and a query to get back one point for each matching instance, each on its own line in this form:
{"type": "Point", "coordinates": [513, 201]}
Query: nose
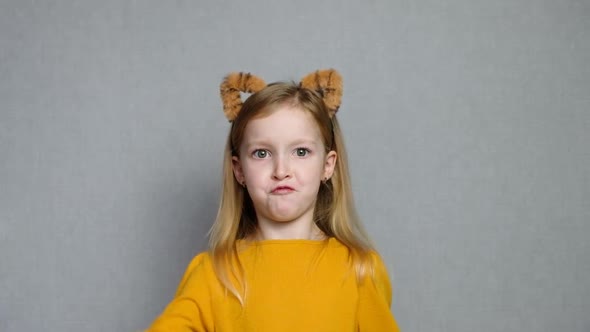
{"type": "Point", "coordinates": [282, 168]}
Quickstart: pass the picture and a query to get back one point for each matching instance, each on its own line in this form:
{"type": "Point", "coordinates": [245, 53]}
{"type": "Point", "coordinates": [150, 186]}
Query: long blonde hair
{"type": "Point", "coordinates": [334, 212]}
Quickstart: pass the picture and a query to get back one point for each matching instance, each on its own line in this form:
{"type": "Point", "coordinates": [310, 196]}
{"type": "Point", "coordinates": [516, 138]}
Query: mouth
{"type": "Point", "coordinates": [281, 190]}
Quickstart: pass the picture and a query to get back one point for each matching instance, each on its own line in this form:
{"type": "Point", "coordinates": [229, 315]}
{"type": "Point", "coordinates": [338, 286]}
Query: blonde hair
{"type": "Point", "coordinates": [334, 211]}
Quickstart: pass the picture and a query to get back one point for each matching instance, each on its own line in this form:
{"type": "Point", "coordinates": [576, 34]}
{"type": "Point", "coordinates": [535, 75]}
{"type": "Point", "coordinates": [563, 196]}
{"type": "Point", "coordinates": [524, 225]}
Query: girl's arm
{"type": "Point", "coordinates": [374, 310]}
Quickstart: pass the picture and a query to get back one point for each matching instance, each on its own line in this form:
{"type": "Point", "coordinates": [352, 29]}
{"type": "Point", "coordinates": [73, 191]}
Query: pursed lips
{"type": "Point", "coordinates": [281, 190]}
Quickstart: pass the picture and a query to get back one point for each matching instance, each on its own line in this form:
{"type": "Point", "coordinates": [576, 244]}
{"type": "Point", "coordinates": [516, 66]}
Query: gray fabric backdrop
{"type": "Point", "coordinates": [467, 124]}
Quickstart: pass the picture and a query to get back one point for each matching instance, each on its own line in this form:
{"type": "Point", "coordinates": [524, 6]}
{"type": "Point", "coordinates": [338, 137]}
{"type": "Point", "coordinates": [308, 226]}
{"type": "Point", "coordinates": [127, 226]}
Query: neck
{"type": "Point", "coordinates": [296, 229]}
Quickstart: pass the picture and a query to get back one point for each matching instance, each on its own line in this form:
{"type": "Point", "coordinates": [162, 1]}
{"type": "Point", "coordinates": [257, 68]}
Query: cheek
{"type": "Point", "coordinates": [313, 172]}
{"type": "Point", "coordinates": [255, 172]}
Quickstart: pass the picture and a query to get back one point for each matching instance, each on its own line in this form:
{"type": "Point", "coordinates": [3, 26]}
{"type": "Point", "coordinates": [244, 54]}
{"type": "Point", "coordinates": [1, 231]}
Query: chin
{"type": "Point", "coordinates": [283, 219]}
{"type": "Point", "coordinates": [284, 216]}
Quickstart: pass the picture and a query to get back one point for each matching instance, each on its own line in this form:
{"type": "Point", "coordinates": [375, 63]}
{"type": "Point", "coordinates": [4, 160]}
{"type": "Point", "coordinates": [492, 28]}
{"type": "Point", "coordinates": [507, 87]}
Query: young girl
{"type": "Point", "coordinates": [287, 251]}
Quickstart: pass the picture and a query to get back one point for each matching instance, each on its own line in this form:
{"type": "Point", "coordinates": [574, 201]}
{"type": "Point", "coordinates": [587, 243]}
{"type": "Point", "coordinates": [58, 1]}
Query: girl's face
{"type": "Point", "coordinates": [282, 161]}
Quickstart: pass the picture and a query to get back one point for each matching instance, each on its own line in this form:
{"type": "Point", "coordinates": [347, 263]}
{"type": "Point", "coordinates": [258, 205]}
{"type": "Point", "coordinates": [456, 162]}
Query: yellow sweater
{"type": "Point", "coordinates": [293, 285]}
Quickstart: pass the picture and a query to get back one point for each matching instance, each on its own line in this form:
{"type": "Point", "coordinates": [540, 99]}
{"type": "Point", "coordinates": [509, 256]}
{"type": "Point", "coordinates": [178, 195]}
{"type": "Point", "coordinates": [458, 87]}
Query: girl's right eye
{"type": "Point", "coordinates": [260, 154]}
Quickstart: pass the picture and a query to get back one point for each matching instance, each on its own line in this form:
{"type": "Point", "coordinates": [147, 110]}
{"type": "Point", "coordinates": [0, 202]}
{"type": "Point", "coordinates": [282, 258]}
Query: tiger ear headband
{"type": "Point", "coordinates": [327, 82]}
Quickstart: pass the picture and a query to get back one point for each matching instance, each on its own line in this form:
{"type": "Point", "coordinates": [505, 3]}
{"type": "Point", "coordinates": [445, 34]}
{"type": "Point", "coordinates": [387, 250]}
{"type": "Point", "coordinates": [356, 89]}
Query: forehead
{"type": "Point", "coordinates": [283, 123]}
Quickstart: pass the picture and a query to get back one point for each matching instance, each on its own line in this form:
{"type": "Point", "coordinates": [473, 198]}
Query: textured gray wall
{"type": "Point", "coordinates": [467, 124]}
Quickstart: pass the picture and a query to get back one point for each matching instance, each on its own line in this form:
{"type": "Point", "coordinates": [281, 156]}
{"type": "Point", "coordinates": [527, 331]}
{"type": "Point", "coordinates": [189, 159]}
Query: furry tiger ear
{"type": "Point", "coordinates": [230, 89]}
{"type": "Point", "coordinates": [328, 83]}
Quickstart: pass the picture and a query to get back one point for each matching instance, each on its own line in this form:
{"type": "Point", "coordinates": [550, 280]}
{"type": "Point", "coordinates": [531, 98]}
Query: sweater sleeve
{"type": "Point", "coordinates": [190, 310]}
{"type": "Point", "coordinates": [374, 308]}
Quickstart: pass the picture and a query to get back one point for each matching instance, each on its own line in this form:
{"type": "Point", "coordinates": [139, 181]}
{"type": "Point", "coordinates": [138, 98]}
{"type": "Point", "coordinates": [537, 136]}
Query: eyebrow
{"type": "Point", "coordinates": [268, 142]}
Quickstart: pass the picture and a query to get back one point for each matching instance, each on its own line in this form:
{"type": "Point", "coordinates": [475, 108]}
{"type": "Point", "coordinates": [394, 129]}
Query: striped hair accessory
{"type": "Point", "coordinates": [327, 82]}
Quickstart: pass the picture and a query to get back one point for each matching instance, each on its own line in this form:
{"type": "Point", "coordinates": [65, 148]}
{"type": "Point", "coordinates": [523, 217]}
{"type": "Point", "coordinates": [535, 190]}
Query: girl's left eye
{"type": "Point", "coordinates": [302, 152]}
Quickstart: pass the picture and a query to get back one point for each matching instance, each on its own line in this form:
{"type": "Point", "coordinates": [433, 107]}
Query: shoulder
{"type": "Point", "coordinates": [375, 296]}
{"type": "Point", "coordinates": [199, 260]}
{"type": "Point", "coordinates": [373, 260]}
{"type": "Point", "coordinates": [198, 269]}
{"type": "Point", "coordinates": [379, 267]}
{"type": "Point", "coordinates": [379, 277]}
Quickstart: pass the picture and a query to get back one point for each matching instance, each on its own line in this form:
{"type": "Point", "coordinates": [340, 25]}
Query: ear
{"type": "Point", "coordinates": [237, 168]}
{"type": "Point", "coordinates": [330, 164]}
